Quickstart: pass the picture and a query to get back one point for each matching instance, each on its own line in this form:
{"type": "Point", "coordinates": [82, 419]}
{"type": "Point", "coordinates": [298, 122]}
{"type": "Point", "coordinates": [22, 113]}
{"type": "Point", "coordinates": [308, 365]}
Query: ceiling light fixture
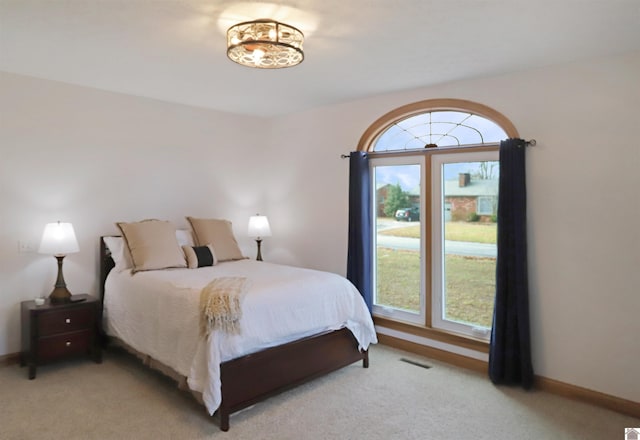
{"type": "Point", "coordinates": [265, 44]}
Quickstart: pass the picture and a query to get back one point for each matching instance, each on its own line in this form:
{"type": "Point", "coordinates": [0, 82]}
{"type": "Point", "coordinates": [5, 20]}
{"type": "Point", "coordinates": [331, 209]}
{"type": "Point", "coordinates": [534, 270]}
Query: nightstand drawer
{"type": "Point", "coordinates": [68, 344]}
{"type": "Point", "coordinates": [62, 321]}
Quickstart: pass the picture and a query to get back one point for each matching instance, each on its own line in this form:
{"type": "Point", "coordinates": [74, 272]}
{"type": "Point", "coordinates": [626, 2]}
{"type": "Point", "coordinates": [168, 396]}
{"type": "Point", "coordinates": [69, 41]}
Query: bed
{"type": "Point", "coordinates": [153, 313]}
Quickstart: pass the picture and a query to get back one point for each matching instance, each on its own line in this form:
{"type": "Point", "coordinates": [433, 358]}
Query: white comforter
{"type": "Point", "coordinates": [157, 313]}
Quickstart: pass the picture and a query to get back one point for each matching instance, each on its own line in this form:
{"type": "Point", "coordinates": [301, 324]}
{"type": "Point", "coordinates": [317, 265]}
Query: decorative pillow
{"type": "Point", "coordinates": [199, 256]}
{"type": "Point", "coordinates": [219, 234]}
{"type": "Point", "coordinates": [152, 244]}
{"type": "Point", "coordinates": [119, 253]}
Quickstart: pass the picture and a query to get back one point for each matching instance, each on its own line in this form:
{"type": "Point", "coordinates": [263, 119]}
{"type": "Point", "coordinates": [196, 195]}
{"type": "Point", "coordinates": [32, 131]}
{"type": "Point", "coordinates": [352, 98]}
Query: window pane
{"type": "Point", "coordinates": [444, 128]}
{"type": "Point", "coordinates": [398, 245]}
{"type": "Point", "coordinates": [420, 119]}
{"type": "Point", "coordinates": [491, 132]}
{"type": "Point", "coordinates": [395, 138]}
{"type": "Point", "coordinates": [469, 207]}
{"type": "Point", "coordinates": [466, 135]}
{"type": "Point", "coordinates": [449, 116]}
{"type": "Point", "coordinates": [445, 141]}
{"type": "Point", "coordinates": [415, 144]}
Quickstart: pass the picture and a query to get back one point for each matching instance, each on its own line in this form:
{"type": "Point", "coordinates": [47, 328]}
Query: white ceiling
{"type": "Point", "coordinates": [174, 50]}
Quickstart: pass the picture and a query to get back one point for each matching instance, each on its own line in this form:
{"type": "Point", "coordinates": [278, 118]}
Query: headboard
{"type": "Point", "coordinates": [106, 264]}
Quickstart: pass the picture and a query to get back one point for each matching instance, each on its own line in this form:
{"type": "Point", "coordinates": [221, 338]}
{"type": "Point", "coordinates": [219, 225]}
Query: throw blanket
{"type": "Point", "coordinates": [220, 305]}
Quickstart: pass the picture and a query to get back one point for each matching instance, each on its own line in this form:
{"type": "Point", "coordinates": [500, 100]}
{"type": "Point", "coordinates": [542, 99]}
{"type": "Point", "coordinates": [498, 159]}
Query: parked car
{"type": "Point", "coordinates": [408, 214]}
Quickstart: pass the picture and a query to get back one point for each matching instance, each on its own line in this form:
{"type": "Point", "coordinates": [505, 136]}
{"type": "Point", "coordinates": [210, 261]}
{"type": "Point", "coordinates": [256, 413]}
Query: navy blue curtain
{"type": "Point", "coordinates": [510, 350]}
{"type": "Point", "coordinates": [359, 258]}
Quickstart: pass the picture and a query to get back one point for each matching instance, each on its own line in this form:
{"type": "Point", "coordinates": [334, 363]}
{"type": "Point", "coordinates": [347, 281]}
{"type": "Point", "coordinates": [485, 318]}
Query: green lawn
{"type": "Point", "coordinates": [455, 231]}
{"type": "Point", "coordinates": [470, 284]}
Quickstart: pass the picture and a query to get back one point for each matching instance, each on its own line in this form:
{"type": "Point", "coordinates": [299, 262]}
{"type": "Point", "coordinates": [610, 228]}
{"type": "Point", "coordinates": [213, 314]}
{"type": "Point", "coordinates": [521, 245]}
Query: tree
{"type": "Point", "coordinates": [485, 170]}
{"type": "Point", "coordinates": [396, 199]}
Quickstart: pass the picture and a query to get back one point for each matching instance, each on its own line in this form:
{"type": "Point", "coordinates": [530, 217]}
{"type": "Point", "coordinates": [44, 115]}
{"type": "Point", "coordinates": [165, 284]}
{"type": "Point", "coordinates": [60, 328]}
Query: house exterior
{"type": "Point", "coordinates": [465, 196]}
{"type": "Point", "coordinates": [382, 192]}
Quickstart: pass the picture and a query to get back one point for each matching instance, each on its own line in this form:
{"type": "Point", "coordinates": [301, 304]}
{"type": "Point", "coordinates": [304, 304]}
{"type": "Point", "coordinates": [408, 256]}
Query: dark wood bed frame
{"type": "Point", "coordinates": [249, 379]}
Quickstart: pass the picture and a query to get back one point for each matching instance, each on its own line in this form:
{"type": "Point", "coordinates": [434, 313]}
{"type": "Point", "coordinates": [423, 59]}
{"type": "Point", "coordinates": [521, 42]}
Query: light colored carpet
{"type": "Point", "coordinates": [121, 399]}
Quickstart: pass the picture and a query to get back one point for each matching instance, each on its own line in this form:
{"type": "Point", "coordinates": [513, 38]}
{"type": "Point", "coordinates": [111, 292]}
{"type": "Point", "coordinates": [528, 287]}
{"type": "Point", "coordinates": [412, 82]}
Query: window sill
{"type": "Point", "coordinates": [456, 339]}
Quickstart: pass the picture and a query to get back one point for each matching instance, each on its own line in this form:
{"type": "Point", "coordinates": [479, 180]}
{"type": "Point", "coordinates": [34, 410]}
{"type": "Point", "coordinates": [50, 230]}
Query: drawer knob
{"type": "Point", "coordinates": [68, 321]}
{"type": "Point", "coordinates": [68, 344]}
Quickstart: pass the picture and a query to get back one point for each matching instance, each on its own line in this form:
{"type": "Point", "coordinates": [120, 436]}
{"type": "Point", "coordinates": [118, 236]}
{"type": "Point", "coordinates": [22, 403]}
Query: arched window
{"type": "Point", "coordinates": [443, 122]}
{"type": "Point", "coordinates": [441, 128]}
{"type": "Point", "coordinates": [434, 166]}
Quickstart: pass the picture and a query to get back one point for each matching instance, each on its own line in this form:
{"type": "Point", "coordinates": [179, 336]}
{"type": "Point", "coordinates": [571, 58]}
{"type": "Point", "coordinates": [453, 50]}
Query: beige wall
{"type": "Point", "coordinates": [92, 158]}
{"type": "Point", "coordinates": [583, 179]}
{"type": "Point", "coordinates": [63, 150]}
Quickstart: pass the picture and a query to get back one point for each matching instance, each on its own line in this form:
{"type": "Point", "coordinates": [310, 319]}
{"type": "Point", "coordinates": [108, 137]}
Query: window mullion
{"type": "Point", "coordinates": [427, 266]}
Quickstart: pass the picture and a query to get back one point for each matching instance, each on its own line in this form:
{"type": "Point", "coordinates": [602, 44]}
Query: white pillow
{"type": "Point", "coordinates": [185, 237]}
{"type": "Point", "coordinates": [119, 253]}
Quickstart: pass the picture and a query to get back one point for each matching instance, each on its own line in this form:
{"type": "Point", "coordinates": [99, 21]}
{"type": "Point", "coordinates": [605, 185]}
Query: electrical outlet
{"type": "Point", "coordinates": [25, 246]}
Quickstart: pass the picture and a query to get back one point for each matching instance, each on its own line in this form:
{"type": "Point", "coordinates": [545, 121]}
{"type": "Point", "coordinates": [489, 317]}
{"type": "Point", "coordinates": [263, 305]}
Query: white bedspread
{"type": "Point", "coordinates": [157, 313]}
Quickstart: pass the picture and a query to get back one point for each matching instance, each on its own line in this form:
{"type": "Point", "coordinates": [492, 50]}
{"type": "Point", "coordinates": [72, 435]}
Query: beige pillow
{"type": "Point", "coordinates": [152, 244]}
{"type": "Point", "coordinates": [219, 234]}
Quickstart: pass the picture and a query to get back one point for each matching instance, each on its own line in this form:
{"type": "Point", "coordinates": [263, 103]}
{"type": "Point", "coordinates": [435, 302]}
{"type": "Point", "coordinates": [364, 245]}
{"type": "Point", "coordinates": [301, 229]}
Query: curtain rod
{"type": "Point", "coordinates": [529, 143]}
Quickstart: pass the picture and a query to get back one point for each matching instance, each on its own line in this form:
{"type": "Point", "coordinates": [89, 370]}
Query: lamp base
{"type": "Point", "coordinates": [259, 256]}
{"type": "Point", "coordinates": [60, 293]}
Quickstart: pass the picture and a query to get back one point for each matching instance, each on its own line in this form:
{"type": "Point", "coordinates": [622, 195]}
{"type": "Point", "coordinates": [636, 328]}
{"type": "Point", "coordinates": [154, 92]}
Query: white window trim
{"type": "Point", "coordinates": [389, 312]}
{"type": "Point", "coordinates": [437, 244]}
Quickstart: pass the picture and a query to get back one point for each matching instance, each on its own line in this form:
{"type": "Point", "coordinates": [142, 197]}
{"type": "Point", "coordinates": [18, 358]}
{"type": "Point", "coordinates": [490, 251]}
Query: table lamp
{"type": "Point", "coordinates": [259, 228]}
{"type": "Point", "coordinates": [59, 239]}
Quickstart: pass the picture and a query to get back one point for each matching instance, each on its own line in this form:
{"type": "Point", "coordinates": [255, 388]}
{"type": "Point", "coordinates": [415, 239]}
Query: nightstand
{"type": "Point", "coordinates": [52, 332]}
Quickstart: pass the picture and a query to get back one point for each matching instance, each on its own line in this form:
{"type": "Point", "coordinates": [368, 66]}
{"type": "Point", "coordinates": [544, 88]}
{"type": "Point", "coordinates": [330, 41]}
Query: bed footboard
{"type": "Point", "coordinates": [252, 378]}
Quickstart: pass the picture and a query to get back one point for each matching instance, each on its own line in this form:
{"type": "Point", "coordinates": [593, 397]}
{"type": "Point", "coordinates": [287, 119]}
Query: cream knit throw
{"type": "Point", "coordinates": [220, 305]}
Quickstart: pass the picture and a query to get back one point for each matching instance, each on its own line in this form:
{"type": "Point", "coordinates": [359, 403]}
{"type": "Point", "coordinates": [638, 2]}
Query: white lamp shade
{"type": "Point", "coordinates": [259, 226]}
{"type": "Point", "coordinates": [58, 239]}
